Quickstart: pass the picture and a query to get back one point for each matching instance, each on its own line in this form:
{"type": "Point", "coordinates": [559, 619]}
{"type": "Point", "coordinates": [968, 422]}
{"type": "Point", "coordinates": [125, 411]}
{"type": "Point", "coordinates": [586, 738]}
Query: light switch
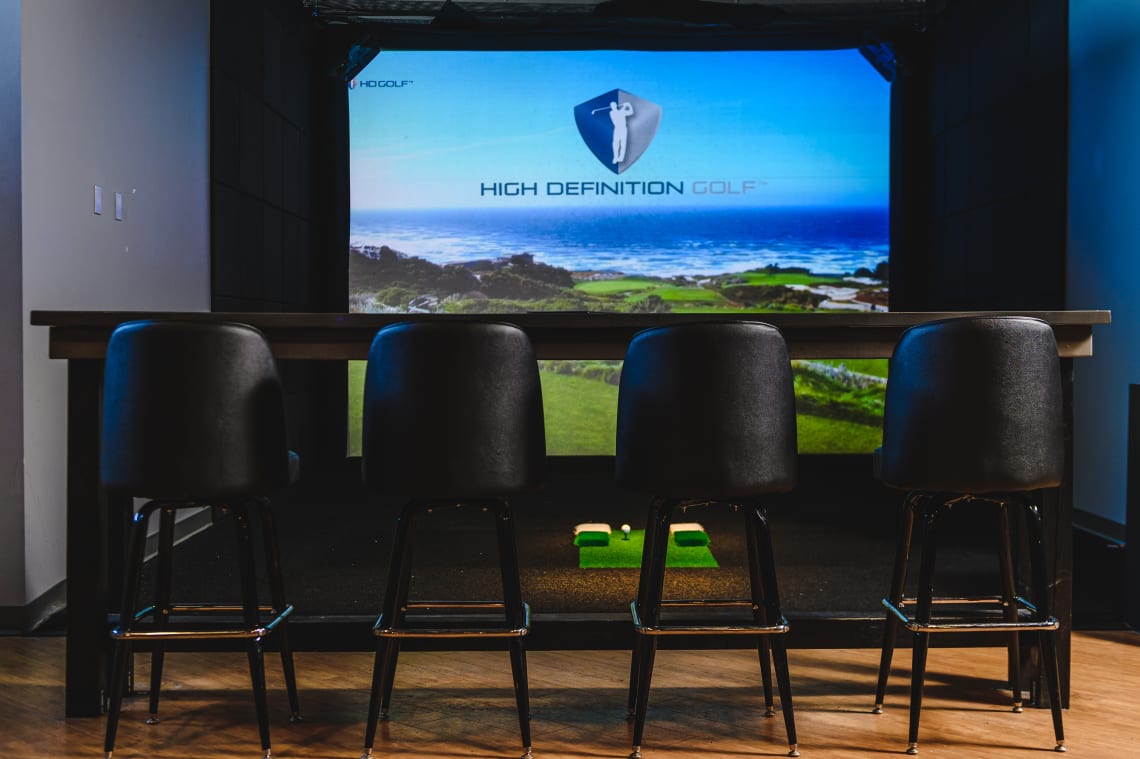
{"type": "Point", "coordinates": [118, 206]}
{"type": "Point", "coordinates": [98, 199]}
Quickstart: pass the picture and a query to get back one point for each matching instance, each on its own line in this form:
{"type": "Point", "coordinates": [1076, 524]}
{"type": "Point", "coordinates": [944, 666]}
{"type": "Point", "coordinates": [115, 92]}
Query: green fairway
{"type": "Point", "coordinates": [818, 434]}
{"type": "Point", "coordinates": [580, 413]}
{"type": "Point", "coordinates": [785, 278]}
{"type": "Point", "coordinates": [355, 405]}
{"type": "Point", "coordinates": [614, 286]}
{"type": "Point", "coordinates": [626, 554]}
{"type": "Point", "coordinates": [675, 294]}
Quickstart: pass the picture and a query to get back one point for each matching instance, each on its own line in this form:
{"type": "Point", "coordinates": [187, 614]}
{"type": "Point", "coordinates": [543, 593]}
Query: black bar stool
{"type": "Point", "coordinates": [193, 416]}
{"type": "Point", "coordinates": [973, 417]}
{"type": "Point", "coordinates": [706, 414]}
{"type": "Point", "coordinates": [452, 415]}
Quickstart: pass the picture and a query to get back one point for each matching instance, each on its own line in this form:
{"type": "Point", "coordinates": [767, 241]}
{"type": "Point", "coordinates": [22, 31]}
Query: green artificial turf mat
{"type": "Point", "coordinates": [592, 538]}
{"type": "Point", "coordinates": [691, 538]}
{"type": "Point", "coordinates": [626, 554]}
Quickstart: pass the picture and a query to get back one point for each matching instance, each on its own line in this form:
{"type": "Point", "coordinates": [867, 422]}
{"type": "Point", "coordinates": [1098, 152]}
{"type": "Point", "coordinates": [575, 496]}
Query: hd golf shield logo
{"type": "Point", "coordinates": [617, 127]}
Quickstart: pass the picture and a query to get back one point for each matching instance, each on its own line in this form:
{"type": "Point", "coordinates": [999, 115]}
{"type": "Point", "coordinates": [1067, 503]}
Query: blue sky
{"type": "Point", "coordinates": [809, 128]}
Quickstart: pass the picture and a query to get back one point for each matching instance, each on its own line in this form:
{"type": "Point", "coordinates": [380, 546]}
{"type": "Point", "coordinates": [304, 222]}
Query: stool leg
{"type": "Point", "coordinates": [391, 657]}
{"type": "Point", "coordinates": [642, 588]}
{"type": "Point", "coordinates": [650, 615]}
{"type": "Point", "coordinates": [634, 667]}
{"type": "Point", "coordinates": [161, 605]}
{"type": "Point", "coordinates": [277, 597]}
{"type": "Point", "coordinates": [391, 613]}
{"type": "Point", "coordinates": [759, 614]}
{"type": "Point", "coordinates": [763, 537]}
{"type": "Point", "coordinates": [379, 667]}
{"type": "Point", "coordinates": [898, 586]}
{"type": "Point", "coordinates": [121, 650]}
{"type": "Point", "coordinates": [252, 618]}
{"type": "Point", "coordinates": [515, 616]}
{"type": "Point", "coordinates": [921, 644]}
{"type": "Point", "coordinates": [399, 610]}
{"type": "Point", "coordinates": [1009, 605]}
{"type": "Point", "coordinates": [1047, 640]}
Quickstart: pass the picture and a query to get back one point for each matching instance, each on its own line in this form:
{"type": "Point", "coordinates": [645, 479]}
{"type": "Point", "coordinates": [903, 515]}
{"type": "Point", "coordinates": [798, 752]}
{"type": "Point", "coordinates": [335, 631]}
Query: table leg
{"type": "Point", "coordinates": [87, 639]}
{"type": "Point", "coordinates": [1057, 518]}
{"type": "Point", "coordinates": [1060, 531]}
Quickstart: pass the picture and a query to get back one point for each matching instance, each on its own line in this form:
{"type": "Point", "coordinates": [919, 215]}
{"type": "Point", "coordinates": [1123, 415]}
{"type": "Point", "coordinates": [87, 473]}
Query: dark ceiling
{"type": "Point", "coordinates": [632, 24]}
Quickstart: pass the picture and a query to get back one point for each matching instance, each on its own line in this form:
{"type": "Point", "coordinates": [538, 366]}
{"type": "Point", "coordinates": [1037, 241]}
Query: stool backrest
{"type": "Point", "coordinates": [453, 410]}
{"type": "Point", "coordinates": [707, 410]}
{"type": "Point", "coordinates": [192, 411]}
{"type": "Point", "coordinates": [973, 405]}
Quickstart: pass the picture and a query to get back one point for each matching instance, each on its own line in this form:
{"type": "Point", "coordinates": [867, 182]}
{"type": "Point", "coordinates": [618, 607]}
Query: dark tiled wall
{"type": "Point", "coordinates": [272, 112]}
{"type": "Point", "coordinates": [983, 174]}
{"type": "Point", "coordinates": [262, 214]}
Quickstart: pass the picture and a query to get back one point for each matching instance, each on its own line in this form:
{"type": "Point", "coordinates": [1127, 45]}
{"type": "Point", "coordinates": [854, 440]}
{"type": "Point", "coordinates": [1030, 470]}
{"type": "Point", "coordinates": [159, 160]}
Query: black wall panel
{"type": "Point", "coordinates": [269, 222]}
{"type": "Point", "coordinates": [982, 199]}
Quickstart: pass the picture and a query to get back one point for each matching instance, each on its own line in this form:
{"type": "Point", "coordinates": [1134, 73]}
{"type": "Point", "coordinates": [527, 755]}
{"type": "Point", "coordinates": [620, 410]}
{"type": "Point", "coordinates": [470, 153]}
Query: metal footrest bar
{"type": "Point", "coordinates": [965, 625]}
{"type": "Point", "coordinates": [468, 632]}
{"type": "Point", "coordinates": [969, 600]}
{"type": "Point", "coordinates": [779, 628]}
{"type": "Point", "coordinates": [201, 633]}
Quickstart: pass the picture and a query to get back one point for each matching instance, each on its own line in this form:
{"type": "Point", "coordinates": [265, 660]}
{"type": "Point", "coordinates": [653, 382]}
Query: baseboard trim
{"type": "Point", "coordinates": [29, 618]}
{"type": "Point", "coordinates": [20, 620]}
{"type": "Point", "coordinates": [1099, 526]}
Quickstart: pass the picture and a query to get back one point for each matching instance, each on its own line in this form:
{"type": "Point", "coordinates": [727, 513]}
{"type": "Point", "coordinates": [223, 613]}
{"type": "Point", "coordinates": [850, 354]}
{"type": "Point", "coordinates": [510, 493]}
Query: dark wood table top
{"type": "Point", "coordinates": [328, 336]}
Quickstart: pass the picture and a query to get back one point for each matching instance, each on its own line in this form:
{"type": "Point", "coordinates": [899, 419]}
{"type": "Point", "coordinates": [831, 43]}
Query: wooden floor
{"type": "Point", "coordinates": [703, 704]}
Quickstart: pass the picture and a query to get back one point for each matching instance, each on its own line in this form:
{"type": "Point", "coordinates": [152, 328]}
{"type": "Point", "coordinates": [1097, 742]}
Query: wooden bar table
{"type": "Point", "coordinates": [80, 338]}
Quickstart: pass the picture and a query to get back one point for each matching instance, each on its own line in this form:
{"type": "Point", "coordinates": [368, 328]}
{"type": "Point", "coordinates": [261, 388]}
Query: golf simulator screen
{"type": "Point", "coordinates": [625, 181]}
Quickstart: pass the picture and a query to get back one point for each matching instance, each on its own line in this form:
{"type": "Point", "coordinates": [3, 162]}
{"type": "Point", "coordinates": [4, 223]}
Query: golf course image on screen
{"type": "Point", "coordinates": [742, 182]}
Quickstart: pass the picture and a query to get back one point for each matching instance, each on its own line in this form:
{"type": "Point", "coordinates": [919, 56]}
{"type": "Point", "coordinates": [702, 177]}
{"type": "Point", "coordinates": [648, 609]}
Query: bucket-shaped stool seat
{"type": "Point", "coordinates": [452, 416]}
{"type": "Point", "coordinates": [194, 416]}
{"type": "Point", "coordinates": [706, 414]}
{"type": "Point", "coordinates": [973, 420]}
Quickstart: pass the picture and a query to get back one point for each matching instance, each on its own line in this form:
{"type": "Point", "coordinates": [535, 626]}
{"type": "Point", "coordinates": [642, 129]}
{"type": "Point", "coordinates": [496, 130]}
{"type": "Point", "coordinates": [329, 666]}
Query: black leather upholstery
{"type": "Point", "coordinates": [973, 405]}
{"type": "Point", "coordinates": [452, 413]}
{"type": "Point", "coordinates": [192, 411]}
{"type": "Point", "coordinates": [453, 410]}
{"type": "Point", "coordinates": [707, 415]}
{"type": "Point", "coordinates": [194, 414]}
{"type": "Point", "coordinates": [973, 413]}
{"type": "Point", "coordinates": [707, 411]}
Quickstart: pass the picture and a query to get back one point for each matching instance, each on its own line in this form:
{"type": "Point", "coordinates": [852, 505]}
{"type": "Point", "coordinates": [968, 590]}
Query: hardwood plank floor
{"type": "Point", "coordinates": [703, 704]}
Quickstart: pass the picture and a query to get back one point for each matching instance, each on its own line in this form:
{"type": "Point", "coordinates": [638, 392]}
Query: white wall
{"type": "Point", "coordinates": [1104, 239]}
{"type": "Point", "coordinates": [11, 331]}
{"type": "Point", "coordinates": [114, 93]}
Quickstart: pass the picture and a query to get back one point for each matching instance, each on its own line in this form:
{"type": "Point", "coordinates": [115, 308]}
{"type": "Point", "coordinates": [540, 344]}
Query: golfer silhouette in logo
{"type": "Point", "coordinates": [618, 115]}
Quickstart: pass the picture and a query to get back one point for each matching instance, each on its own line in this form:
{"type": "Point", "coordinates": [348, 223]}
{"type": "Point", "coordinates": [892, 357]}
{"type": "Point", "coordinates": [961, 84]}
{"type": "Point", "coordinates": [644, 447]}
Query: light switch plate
{"type": "Point", "coordinates": [98, 199]}
{"type": "Point", "coordinates": [118, 206]}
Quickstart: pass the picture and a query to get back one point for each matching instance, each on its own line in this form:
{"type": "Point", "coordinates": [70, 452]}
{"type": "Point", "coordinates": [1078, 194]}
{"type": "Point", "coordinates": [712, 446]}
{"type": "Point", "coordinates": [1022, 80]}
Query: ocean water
{"type": "Point", "coordinates": [639, 241]}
